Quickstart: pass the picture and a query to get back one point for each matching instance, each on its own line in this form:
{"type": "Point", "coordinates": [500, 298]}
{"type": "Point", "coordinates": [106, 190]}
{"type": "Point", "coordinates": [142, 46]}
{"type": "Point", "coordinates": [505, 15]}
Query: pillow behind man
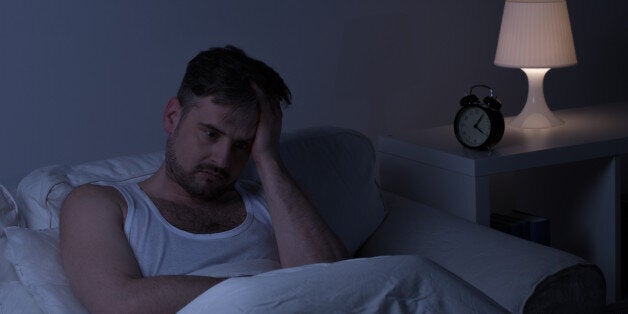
{"type": "Point", "coordinates": [337, 168]}
{"type": "Point", "coordinates": [8, 209]}
{"type": "Point", "coordinates": [41, 193]}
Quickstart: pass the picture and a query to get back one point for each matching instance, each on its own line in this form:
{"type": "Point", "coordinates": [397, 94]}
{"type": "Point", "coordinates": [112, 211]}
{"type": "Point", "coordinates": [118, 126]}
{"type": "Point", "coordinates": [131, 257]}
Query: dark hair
{"type": "Point", "coordinates": [227, 74]}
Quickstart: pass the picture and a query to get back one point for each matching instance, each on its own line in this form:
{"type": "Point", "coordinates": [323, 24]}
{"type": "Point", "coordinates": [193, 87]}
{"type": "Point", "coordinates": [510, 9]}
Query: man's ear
{"type": "Point", "coordinates": [172, 114]}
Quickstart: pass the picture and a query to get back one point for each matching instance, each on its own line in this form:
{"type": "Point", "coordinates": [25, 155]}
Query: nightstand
{"type": "Point", "coordinates": [570, 174]}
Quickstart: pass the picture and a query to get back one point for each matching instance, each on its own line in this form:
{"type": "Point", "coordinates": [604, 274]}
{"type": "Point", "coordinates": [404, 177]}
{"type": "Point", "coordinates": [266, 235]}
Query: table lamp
{"type": "Point", "coordinates": [535, 36]}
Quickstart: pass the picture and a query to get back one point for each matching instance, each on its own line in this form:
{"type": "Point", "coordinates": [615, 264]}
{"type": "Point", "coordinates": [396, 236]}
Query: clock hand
{"type": "Point", "coordinates": [475, 126]}
{"type": "Point", "coordinates": [478, 122]}
{"type": "Point", "coordinates": [479, 130]}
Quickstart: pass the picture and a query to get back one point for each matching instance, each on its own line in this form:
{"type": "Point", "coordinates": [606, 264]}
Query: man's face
{"type": "Point", "coordinates": [209, 147]}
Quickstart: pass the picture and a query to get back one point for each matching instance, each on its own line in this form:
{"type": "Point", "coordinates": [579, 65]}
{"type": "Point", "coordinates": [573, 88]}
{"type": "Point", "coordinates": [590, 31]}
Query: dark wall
{"type": "Point", "coordinates": [88, 80]}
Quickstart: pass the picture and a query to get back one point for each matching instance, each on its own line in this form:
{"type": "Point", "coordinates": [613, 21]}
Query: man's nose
{"type": "Point", "coordinates": [221, 154]}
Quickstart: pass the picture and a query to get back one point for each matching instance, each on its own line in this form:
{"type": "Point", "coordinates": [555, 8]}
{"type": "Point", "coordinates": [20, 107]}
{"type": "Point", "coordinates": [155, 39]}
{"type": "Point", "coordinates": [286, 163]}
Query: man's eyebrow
{"type": "Point", "coordinates": [208, 126]}
{"type": "Point", "coordinates": [211, 127]}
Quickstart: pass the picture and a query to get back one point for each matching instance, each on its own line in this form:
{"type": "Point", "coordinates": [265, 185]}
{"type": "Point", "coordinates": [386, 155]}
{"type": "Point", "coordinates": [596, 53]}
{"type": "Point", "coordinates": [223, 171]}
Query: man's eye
{"type": "Point", "coordinates": [241, 145]}
{"type": "Point", "coordinates": [212, 134]}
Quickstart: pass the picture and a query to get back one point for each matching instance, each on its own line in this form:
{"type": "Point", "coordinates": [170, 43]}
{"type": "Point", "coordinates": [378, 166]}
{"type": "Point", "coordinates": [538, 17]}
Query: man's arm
{"type": "Point", "coordinates": [100, 264]}
{"type": "Point", "coordinates": [302, 235]}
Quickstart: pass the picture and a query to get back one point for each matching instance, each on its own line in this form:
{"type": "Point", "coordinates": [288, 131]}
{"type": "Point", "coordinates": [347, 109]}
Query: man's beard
{"type": "Point", "coordinates": [208, 188]}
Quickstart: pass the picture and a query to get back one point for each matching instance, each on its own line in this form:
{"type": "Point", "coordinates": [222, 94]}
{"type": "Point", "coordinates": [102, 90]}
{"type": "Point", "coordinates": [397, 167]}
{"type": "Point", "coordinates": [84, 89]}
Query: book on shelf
{"type": "Point", "coordinates": [511, 225]}
{"type": "Point", "coordinates": [523, 225]}
{"type": "Point", "coordinates": [623, 213]}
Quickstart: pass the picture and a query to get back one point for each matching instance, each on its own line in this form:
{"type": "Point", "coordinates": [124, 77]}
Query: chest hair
{"type": "Point", "coordinates": [202, 218]}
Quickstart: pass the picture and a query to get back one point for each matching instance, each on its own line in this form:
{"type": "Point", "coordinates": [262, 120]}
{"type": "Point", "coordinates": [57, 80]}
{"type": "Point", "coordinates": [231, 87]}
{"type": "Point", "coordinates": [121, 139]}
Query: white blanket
{"type": "Point", "coordinates": [386, 284]}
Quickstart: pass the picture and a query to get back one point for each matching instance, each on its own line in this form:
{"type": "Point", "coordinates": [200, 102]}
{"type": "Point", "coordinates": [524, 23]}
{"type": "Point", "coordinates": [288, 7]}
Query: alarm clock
{"type": "Point", "coordinates": [479, 125]}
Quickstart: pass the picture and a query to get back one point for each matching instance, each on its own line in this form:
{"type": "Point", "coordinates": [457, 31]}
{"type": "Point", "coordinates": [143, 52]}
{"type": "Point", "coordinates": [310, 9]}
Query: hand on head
{"type": "Point", "coordinates": [266, 144]}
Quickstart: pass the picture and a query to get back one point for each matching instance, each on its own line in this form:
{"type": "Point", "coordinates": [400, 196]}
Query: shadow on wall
{"type": "Point", "coordinates": [407, 70]}
{"type": "Point", "coordinates": [374, 65]}
{"type": "Point", "coordinates": [600, 35]}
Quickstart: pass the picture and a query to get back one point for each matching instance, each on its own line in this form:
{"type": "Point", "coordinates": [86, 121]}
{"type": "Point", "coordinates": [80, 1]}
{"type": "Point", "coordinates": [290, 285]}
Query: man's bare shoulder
{"type": "Point", "coordinates": [90, 197]}
{"type": "Point", "coordinates": [93, 192]}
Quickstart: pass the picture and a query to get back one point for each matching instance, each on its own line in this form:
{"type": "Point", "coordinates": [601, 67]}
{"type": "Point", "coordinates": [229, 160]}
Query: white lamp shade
{"type": "Point", "coordinates": [535, 34]}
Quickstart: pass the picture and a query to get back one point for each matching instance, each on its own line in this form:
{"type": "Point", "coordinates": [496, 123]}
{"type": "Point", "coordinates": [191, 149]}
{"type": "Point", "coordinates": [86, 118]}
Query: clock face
{"type": "Point", "coordinates": [474, 126]}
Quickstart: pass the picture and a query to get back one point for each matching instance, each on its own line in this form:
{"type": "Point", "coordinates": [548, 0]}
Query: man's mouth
{"type": "Point", "coordinates": [216, 174]}
{"type": "Point", "coordinates": [211, 174]}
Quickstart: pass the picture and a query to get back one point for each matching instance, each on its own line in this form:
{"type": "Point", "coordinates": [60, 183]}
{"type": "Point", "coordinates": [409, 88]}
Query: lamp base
{"type": "Point", "coordinates": [535, 113]}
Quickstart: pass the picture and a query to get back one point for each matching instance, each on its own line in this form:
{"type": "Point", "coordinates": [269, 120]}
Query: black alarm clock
{"type": "Point", "coordinates": [479, 125]}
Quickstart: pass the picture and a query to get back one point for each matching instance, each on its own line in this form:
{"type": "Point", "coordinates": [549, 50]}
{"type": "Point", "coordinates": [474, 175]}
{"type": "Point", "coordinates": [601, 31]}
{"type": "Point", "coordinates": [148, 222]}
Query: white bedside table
{"type": "Point", "coordinates": [570, 174]}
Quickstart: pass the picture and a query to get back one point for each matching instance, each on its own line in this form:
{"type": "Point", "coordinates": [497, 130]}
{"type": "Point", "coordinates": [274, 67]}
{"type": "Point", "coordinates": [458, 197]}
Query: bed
{"type": "Point", "coordinates": [408, 257]}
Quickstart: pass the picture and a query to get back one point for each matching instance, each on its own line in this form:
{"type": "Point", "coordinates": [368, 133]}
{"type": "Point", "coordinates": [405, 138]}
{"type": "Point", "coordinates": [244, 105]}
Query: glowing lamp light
{"type": "Point", "coordinates": [535, 36]}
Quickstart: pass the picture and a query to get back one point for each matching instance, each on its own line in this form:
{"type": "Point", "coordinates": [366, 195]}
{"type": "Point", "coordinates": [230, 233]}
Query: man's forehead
{"type": "Point", "coordinates": [235, 121]}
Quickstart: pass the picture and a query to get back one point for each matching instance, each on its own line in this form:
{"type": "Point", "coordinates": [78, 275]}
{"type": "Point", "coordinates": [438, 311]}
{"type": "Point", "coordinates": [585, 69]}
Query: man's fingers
{"type": "Point", "coordinates": [267, 106]}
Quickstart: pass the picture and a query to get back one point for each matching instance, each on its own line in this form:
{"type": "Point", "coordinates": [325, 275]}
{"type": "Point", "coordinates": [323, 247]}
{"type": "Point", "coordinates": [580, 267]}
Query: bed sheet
{"type": "Point", "coordinates": [14, 298]}
{"type": "Point", "coordinates": [7, 272]}
{"type": "Point", "coordinates": [384, 284]}
{"type": "Point", "coordinates": [389, 284]}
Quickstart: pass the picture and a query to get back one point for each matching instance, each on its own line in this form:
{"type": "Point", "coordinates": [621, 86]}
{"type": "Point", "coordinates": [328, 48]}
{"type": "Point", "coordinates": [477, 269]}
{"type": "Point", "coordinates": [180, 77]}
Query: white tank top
{"type": "Point", "coordinates": [162, 249]}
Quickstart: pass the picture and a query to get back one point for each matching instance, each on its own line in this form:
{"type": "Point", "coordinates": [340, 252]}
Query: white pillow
{"type": "Point", "coordinates": [14, 298]}
{"type": "Point", "coordinates": [35, 254]}
{"type": "Point", "coordinates": [41, 193]}
{"type": "Point", "coordinates": [7, 272]}
{"type": "Point", "coordinates": [8, 209]}
{"type": "Point", "coordinates": [337, 167]}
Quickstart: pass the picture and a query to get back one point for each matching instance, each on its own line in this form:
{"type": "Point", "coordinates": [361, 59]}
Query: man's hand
{"type": "Point", "coordinates": [266, 144]}
{"type": "Point", "coordinates": [302, 235]}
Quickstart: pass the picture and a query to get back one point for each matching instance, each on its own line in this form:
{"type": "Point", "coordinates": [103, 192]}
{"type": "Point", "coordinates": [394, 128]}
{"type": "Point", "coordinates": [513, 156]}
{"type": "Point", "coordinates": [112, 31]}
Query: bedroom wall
{"type": "Point", "coordinates": [85, 80]}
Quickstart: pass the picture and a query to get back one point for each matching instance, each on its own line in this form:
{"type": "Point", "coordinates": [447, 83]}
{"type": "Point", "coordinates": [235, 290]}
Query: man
{"type": "Point", "coordinates": [128, 248]}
